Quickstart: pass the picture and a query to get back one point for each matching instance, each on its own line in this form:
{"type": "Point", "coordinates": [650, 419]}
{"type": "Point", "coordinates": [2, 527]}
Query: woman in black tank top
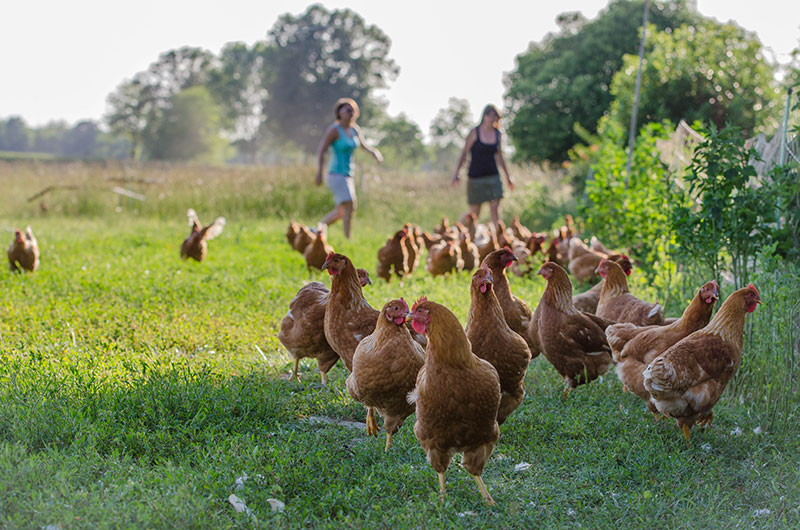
{"type": "Point", "coordinates": [484, 184]}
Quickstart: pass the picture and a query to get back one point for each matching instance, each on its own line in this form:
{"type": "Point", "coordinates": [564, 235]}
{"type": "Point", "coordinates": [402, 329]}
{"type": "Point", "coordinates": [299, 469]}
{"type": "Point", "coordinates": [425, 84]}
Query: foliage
{"type": "Point", "coordinates": [401, 143]}
{"type": "Point", "coordinates": [451, 124]}
{"type": "Point", "coordinates": [14, 135]}
{"type": "Point", "coordinates": [729, 217]}
{"type": "Point", "coordinates": [85, 140]}
{"type": "Point", "coordinates": [710, 72]}
{"type": "Point", "coordinates": [138, 105]}
{"type": "Point", "coordinates": [235, 85]}
{"type": "Point", "coordinates": [189, 129]}
{"type": "Point", "coordinates": [565, 79]}
{"type": "Point", "coordinates": [448, 130]}
{"type": "Point", "coordinates": [635, 217]}
{"type": "Point", "coordinates": [315, 58]}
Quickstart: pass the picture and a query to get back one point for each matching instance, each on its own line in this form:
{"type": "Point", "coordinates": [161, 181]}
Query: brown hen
{"type": "Point", "coordinates": [385, 368]}
{"type": "Point", "coordinates": [23, 254]}
{"type": "Point", "coordinates": [516, 312]}
{"type": "Point", "coordinates": [303, 328]}
{"type": "Point", "coordinates": [493, 341]}
{"type": "Point", "coordinates": [195, 245]}
{"type": "Point", "coordinates": [687, 380]}
{"type": "Point", "coordinates": [457, 396]}
{"type": "Point", "coordinates": [573, 342]}
{"type": "Point", "coordinates": [348, 316]}
{"type": "Point", "coordinates": [619, 305]}
{"type": "Point", "coordinates": [634, 347]}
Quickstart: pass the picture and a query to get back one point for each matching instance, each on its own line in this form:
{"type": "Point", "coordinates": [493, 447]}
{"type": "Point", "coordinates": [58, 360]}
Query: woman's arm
{"type": "Point", "coordinates": [471, 137]}
{"type": "Point", "coordinates": [368, 148]}
{"type": "Point", "coordinates": [502, 163]}
{"type": "Point", "coordinates": [330, 136]}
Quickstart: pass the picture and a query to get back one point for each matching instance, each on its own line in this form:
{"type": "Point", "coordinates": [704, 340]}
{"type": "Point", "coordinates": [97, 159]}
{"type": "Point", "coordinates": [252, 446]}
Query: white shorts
{"type": "Point", "coordinates": [342, 186]}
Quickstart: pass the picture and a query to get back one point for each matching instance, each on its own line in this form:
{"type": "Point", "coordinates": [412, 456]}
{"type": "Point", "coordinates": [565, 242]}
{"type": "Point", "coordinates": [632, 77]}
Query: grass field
{"type": "Point", "coordinates": [133, 392]}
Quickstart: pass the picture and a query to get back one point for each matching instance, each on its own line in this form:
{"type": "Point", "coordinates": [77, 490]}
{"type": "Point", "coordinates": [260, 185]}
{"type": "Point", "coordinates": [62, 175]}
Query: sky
{"type": "Point", "coordinates": [60, 60]}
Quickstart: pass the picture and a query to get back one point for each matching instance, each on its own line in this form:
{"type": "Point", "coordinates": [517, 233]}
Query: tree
{"type": "Point", "coordinates": [136, 106]}
{"type": "Point", "coordinates": [711, 72]}
{"type": "Point", "coordinates": [16, 136]}
{"type": "Point", "coordinates": [81, 140]}
{"type": "Point", "coordinates": [451, 124]}
{"type": "Point", "coordinates": [565, 79]}
{"type": "Point", "coordinates": [236, 85]}
{"type": "Point", "coordinates": [448, 130]}
{"type": "Point", "coordinates": [401, 144]}
{"type": "Point", "coordinates": [315, 58]}
{"type": "Point", "coordinates": [189, 129]}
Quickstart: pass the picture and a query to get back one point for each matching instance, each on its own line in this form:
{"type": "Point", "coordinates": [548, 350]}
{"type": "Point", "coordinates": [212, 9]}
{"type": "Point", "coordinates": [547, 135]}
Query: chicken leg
{"type": "Point", "coordinates": [441, 488]}
{"type": "Point", "coordinates": [484, 492]}
{"type": "Point", "coordinates": [686, 433]}
{"type": "Point", "coordinates": [388, 441]}
{"type": "Point", "coordinates": [294, 372]}
{"type": "Point", "coordinates": [372, 423]}
{"type": "Point", "coordinates": [706, 422]}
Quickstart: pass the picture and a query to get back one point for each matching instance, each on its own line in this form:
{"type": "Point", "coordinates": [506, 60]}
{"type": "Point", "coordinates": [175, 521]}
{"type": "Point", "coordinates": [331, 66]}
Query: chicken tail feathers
{"type": "Point", "coordinates": [658, 377]}
{"type": "Point", "coordinates": [29, 234]}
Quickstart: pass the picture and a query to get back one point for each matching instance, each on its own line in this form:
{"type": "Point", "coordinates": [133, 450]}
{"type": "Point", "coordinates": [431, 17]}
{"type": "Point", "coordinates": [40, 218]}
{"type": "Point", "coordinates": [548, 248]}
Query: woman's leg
{"type": "Point", "coordinates": [333, 216]}
{"type": "Point", "coordinates": [346, 209]}
{"type": "Point", "coordinates": [494, 211]}
{"type": "Point", "coordinates": [472, 208]}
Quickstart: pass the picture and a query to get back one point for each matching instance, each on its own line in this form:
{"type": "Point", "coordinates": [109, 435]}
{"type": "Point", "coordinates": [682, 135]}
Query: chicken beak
{"type": "Point", "coordinates": [326, 265]}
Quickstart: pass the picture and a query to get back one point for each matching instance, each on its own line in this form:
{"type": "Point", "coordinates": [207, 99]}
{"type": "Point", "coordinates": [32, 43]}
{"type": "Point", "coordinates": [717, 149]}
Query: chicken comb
{"type": "Point", "coordinates": [420, 300]}
{"type": "Point", "coordinates": [405, 305]}
{"type": "Point", "coordinates": [330, 255]}
{"type": "Point", "coordinates": [753, 288]}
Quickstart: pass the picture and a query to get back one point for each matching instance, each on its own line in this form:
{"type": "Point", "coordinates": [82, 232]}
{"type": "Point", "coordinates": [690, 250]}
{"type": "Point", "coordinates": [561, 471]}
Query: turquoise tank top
{"type": "Point", "coordinates": [341, 152]}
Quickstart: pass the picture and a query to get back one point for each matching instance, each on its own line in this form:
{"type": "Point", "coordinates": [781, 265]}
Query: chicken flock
{"type": "Point", "coordinates": [463, 382]}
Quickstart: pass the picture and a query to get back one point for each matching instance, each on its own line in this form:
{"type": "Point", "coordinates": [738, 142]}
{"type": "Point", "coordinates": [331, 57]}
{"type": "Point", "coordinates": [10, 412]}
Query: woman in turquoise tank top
{"type": "Point", "coordinates": [341, 139]}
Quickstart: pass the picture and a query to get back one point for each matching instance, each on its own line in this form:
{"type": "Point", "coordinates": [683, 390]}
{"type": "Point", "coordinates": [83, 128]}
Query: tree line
{"type": "Point", "coordinates": [253, 103]}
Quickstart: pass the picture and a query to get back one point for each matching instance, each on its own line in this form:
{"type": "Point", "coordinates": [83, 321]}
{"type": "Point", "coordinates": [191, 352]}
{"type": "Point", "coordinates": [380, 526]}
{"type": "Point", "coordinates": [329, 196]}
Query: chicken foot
{"type": "Point", "coordinates": [706, 422]}
{"type": "Point", "coordinates": [372, 423]}
{"type": "Point", "coordinates": [484, 492]}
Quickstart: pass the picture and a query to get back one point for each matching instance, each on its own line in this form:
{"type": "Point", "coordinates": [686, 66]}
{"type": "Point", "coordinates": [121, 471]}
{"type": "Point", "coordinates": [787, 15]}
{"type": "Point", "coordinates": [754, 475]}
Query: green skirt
{"type": "Point", "coordinates": [484, 189]}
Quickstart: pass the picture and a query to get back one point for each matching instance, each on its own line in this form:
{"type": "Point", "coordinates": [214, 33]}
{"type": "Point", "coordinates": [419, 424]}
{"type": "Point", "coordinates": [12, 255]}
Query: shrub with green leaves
{"type": "Point", "coordinates": [635, 217]}
{"type": "Point", "coordinates": [730, 216]}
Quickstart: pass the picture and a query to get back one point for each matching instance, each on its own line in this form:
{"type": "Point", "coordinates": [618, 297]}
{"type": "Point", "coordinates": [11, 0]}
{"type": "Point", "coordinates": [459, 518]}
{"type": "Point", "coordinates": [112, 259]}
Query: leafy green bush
{"type": "Point", "coordinates": [730, 216]}
{"type": "Point", "coordinates": [637, 216]}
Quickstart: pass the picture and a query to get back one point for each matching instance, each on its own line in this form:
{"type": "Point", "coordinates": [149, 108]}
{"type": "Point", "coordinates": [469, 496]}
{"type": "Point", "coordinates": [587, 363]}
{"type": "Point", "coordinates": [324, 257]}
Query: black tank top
{"type": "Point", "coordinates": [482, 162]}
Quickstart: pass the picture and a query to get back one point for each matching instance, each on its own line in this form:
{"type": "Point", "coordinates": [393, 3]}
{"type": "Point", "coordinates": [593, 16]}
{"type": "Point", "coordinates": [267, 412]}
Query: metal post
{"type": "Point", "coordinates": [782, 151]}
{"type": "Point", "coordinates": [632, 134]}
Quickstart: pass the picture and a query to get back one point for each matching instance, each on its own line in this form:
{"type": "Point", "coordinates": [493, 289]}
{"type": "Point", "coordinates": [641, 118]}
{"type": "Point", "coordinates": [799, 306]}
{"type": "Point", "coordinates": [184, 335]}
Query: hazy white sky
{"type": "Point", "coordinates": [60, 59]}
